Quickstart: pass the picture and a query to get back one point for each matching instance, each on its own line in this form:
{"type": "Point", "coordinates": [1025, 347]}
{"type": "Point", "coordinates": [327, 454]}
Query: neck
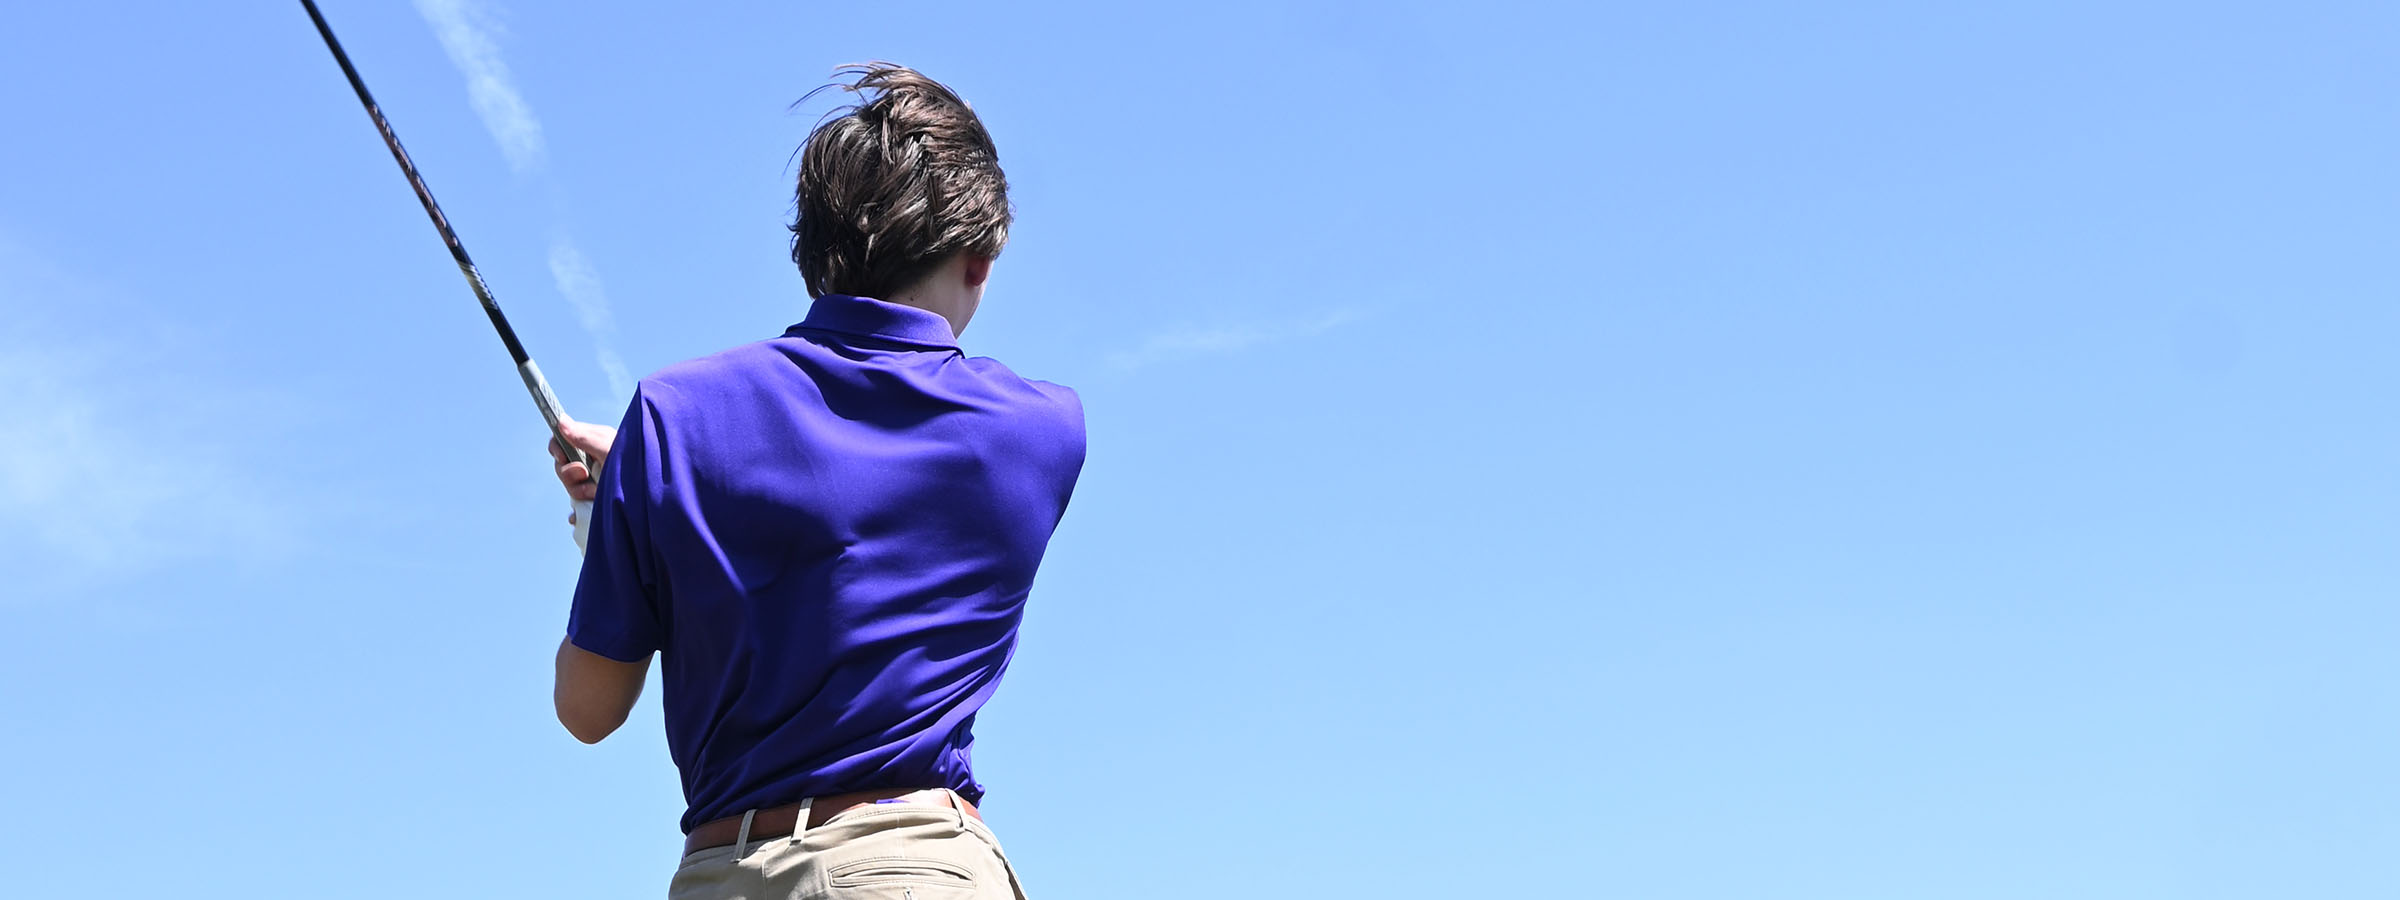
{"type": "Point", "coordinates": [953, 291]}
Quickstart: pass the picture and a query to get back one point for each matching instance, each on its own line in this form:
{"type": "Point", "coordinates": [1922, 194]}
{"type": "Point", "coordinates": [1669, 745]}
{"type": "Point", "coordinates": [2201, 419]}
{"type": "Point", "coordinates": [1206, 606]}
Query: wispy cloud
{"type": "Point", "coordinates": [469, 34]}
{"type": "Point", "coordinates": [111, 467]}
{"type": "Point", "coordinates": [581, 286]}
{"type": "Point", "coordinates": [1189, 341]}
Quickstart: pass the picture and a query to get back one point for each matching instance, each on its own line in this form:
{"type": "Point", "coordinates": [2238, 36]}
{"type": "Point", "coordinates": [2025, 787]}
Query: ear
{"type": "Point", "coordinates": [977, 269]}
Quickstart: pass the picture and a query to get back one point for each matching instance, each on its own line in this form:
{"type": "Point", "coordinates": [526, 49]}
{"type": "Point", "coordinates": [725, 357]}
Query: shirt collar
{"type": "Point", "coordinates": [869, 317]}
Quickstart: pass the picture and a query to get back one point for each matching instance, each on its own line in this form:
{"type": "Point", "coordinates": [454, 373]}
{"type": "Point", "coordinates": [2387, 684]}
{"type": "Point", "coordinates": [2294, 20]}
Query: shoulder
{"type": "Point", "coordinates": [1047, 399]}
{"type": "Point", "coordinates": [1044, 414]}
{"type": "Point", "coordinates": [693, 379]}
{"type": "Point", "coordinates": [731, 363]}
{"type": "Point", "coordinates": [998, 372]}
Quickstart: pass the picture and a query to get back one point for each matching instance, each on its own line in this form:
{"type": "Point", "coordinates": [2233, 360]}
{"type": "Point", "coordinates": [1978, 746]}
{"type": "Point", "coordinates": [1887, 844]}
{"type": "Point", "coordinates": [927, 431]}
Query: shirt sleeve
{"type": "Point", "coordinates": [618, 611]}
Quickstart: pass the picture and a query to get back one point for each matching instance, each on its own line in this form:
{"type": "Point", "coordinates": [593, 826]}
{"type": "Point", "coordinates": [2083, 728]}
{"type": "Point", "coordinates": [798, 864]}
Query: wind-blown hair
{"type": "Point", "coordinates": [894, 185]}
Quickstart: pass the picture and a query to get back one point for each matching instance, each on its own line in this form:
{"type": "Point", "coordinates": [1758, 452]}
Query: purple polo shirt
{"type": "Point", "coordinates": [829, 538]}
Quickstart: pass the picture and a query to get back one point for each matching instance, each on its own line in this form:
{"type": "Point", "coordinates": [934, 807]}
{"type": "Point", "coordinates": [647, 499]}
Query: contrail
{"type": "Point", "coordinates": [581, 285]}
{"type": "Point", "coordinates": [465, 31]}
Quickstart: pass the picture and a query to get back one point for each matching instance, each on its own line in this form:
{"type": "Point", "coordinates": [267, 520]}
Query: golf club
{"type": "Point", "coordinates": [543, 399]}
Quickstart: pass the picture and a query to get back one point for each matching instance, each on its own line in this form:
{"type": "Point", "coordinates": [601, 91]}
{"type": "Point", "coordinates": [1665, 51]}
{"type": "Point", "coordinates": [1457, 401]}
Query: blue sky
{"type": "Point", "coordinates": [1689, 451]}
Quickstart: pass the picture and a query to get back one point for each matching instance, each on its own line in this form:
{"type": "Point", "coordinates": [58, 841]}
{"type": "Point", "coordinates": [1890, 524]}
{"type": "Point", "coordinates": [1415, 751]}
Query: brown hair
{"type": "Point", "coordinates": [895, 185]}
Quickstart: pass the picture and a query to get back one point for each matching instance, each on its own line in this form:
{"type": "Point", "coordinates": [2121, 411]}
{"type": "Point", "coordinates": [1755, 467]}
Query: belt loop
{"type": "Point", "coordinates": [800, 819]}
{"type": "Point", "coordinates": [741, 841]}
{"type": "Point", "coordinates": [958, 805]}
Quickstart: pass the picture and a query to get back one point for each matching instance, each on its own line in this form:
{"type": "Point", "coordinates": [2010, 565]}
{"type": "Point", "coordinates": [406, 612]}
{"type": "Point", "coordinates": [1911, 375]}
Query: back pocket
{"type": "Point", "coordinates": [899, 870]}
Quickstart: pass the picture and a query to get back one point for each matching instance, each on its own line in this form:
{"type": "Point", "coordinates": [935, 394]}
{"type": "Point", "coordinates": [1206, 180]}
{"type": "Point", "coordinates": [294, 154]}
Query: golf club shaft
{"type": "Point", "coordinates": [535, 384]}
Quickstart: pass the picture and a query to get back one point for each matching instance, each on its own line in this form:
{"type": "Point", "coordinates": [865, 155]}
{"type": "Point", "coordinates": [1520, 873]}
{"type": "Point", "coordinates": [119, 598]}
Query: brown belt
{"type": "Point", "coordinates": [778, 822]}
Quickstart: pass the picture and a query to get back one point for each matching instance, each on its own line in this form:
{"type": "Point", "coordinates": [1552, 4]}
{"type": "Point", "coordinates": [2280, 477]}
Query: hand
{"type": "Point", "coordinates": [594, 441]}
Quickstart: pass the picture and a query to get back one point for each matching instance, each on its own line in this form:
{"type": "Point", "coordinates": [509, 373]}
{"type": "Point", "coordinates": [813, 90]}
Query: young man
{"type": "Point", "coordinates": [828, 537]}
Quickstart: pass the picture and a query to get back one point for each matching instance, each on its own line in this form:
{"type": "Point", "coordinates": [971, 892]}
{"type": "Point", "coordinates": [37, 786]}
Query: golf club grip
{"type": "Point", "coordinates": [547, 403]}
{"type": "Point", "coordinates": [583, 523]}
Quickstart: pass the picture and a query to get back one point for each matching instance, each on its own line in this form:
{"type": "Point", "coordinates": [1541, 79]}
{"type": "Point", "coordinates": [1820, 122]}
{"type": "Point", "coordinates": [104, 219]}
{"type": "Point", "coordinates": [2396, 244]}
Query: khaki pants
{"type": "Point", "coordinates": [887, 851]}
